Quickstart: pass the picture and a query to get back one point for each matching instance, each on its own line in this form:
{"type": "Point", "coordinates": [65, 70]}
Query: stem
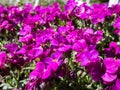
{"type": "Point", "coordinates": [36, 3]}
{"type": "Point", "coordinates": [16, 77]}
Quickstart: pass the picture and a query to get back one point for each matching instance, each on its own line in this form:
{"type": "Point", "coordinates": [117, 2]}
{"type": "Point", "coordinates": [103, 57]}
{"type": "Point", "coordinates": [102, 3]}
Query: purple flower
{"type": "Point", "coordinates": [98, 35]}
{"type": "Point", "coordinates": [109, 78]}
{"type": "Point", "coordinates": [38, 71]}
{"type": "Point", "coordinates": [117, 31]}
{"type": "Point", "coordinates": [118, 63]}
{"type": "Point", "coordinates": [35, 52]}
{"type": "Point", "coordinates": [4, 24]}
{"type": "Point", "coordinates": [44, 36]}
{"type": "Point", "coordinates": [83, 11]}
{"type": "Point", "coordinates": [88, 31]}
{"type": "Point", "coordinates": [68, 9]}
{"type": "Point", "coordinates": [26, 39]}
{"type": "Point", "coordinates": [12, 48]}
{"type": "Point", "coordinates": [27, 9]}
{"type": "Point", "coordinates": [46, 73]}
{"type": "Point", "coordinates": [99, 13]}
{"type": "Point", "coordinates": [57, 55]}
{"type": "Point", "coordinates": [60, 43]}
{"type": "Point", "coordinates": [3, 57]}
{"type": "Point", "coordinates": [75, 35]}
{"type": "Point", "coordinates": [117, 84]}
{"type": "Point", "coordinates": [37, 74]}
{"type": "Point", "coordinates": [26, 30]}
{"type": "Point", "coordinates": [110, 65]}
{"type": "Point", "coordinates": [80, 46]}
{"type": "Point", "coordinates": [63, 30]}
{"type": "Point", "coordinates": [113, 49]}
{"type": "Point", "coordinates": [111, 70]}
{"type": "Point", "coordinates": [88, 57]}
{"type": "Point", "coordinates": [117, 23]}
{"type": "Point", "coordinates": [64, 48]}
{"type": "Point", "coordinates": [115, 9]}
{"type": "Point", "coordinates": [70, 6]}
{"type": "Point", "coordinates": [48, 68]}
{"type": "Point", "coordinates": [42, 71]}
{"type": "Point", "coordinates": [56, 58]}
{"type": "Point", "coordinates": [95, 70]}
{"type": "Point", "coordinates": [53, 66]}
{"type": "Point", "coordinates": [93, 37]}
{"type": "Point", "coordinates": [24, 49]}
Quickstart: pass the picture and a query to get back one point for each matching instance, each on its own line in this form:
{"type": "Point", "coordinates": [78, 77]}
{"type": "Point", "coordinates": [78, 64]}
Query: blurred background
{"type": "Point", "coordinates": [45, 2]}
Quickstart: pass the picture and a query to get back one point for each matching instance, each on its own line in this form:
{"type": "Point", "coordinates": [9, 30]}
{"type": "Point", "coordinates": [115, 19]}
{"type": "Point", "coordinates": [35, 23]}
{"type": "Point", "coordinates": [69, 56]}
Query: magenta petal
{"type": "Point", "coordinates": [110, 65]}
{"type": "Point", "coordinates": [53, 66]}
{"type": "Point", "coordinates": [118, 84]}
{"type": "Point", "coordinates": [21, 51]}
{"type": "Point", "coordinates": [38, 72]}
{"type": "Point", "coordinates": [56, 55]}
{"type": "Point", "coordinates": [85, 59]}
{"type": "Point", "coordinates": [27, 38]}
{"type": "Point", "coordinates": [46, 73]}
{"type": "Point", "coordinates": [34, 75]}
{"type": "Point", "coordinates": [64, 48]}
{"type": "Point", "coordinates": [40, 67]}
{"type": "Point", "coordinates": [26, 30]}
{"type": "Point", "coordinates": [62, 29]}
{"type": "Point", "coordinates": [112, 69]}
{"type": "Point", "coordinates": [94, 54]}
{"type": "Point", "coordinates": [80, 46]}
{"type": "Point", "coordinates": [117, 23]}
{"type": "Point", "coordinates": [12, 48]}
{"type": "Point", "coordinates": [88, 31]}
{"type": "Point", "coordinates": [118, 62]}
{"type": "Point", "coordinates": [117, 32]}
{"type": "Point", "coordinates": [47, 60]}
{"type": "Point", "coordinates": [54, 42]}
{"type": "Point", "coordinates": [4, 23]}
{"type": "Point", "coordinates": [35, 52]}
{"type": "Point", "coordinates": [107, 77]}
{"type": "Point", "coordinates": [3, 57]}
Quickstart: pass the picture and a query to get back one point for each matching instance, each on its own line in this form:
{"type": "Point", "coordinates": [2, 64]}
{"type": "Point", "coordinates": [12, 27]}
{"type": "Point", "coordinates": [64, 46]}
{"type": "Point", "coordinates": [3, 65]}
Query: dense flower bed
{"type": "Point", "coordinates": [47, 48]}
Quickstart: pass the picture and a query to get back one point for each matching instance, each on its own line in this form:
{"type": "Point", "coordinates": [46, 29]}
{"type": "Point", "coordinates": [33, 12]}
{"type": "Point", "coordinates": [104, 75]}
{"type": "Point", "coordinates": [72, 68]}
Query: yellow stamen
{"type": "Point", "coordinates": [55, 60]}
{"type": "Point", "coordinates": [37, 59]}
{"type": "Point", "coordinates": [36, 23]}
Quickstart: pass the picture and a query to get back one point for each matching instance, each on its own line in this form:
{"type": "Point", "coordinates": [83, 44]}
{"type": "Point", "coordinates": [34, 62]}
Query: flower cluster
{"type": "Point", "coordinates": [45, 44]}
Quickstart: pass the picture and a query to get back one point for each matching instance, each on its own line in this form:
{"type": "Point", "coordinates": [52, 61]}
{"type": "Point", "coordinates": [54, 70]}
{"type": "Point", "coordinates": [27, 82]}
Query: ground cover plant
{"type": "Point", "coordinates": [49, 48]}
